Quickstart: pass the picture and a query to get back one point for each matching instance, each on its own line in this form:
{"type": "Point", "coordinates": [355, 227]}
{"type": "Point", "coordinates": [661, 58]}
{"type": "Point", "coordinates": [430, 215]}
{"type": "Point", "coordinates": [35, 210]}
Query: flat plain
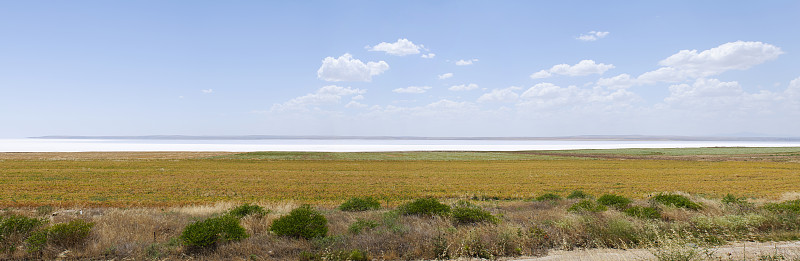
{"type": "Point", "coordinates": [122, 179]}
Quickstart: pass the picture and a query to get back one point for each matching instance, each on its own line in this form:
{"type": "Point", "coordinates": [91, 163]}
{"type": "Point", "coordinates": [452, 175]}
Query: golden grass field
{"type": "Point", "coordinates": [172, 179]}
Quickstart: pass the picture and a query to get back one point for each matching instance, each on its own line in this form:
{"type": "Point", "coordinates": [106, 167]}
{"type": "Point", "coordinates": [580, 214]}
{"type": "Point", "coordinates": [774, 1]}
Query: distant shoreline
{"type": "Point", "coordinates": [320, 137]}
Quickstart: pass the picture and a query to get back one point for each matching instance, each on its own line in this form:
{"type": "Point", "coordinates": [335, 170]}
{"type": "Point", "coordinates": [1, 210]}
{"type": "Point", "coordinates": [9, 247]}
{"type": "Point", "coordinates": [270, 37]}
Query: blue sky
{"type": "Point", "coordinates": [423, 68]}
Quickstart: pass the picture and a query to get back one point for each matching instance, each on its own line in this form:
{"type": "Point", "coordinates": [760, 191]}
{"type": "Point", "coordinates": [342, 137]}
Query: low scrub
{"type": "Point", "coordinates": [578, 194]}
{"type": "Point", "coordinates": [302, 222]}
{"type": "Point", "coordinates": [548, 197]}
{"type": "Point", "coordinates": [676, 201]}
{"type": "Point", "coordinates": [14, 229]}
{"type": "Point", "coordinates": [643, 212]}
{"type": "Point", "coordinates": [424, 207]}
{"type": "Point", "coordinates": [63, 235]}
{"type": "Point", "coordinates": [791, 206]}
{"type": "Point", "coordinates": [614, 201]}
{"type": "Point", "coordinates": [211, 232]}
{"type": "Point", "coordinates": [360, 204]}
{"type": "Point", "coordinates": [361, 225]}
{"type": "Point", "coordinates": [468, 213]}
{"type": "Point", "coordinates": [587, 205]}
{"type": "Point", "coordinates": [247, 209]}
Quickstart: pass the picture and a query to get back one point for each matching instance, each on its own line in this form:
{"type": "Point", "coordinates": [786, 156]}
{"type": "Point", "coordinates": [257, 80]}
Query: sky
{"type": "Point", "coordinates": [400, 68]}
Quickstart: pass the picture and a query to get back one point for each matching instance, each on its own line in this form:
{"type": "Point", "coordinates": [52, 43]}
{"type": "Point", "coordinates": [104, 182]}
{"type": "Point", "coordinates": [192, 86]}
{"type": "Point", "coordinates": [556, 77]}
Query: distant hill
{"type": "Point", "coordinates": [320, 137]}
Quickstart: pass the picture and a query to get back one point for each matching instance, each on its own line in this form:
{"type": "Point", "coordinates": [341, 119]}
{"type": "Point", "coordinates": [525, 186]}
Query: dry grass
{"type": "Point", "coordinates": [526, 229]}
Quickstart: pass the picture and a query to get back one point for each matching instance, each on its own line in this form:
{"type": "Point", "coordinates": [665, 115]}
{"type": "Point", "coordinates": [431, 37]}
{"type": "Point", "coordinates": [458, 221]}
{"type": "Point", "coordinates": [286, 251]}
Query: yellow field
{"type": "Point", "coordinates": [154, 182]}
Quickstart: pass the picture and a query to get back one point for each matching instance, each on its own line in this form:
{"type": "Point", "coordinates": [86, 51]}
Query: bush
{"type": "Point", "coordinates": [424, 206]}
{"type": "Point", "coordinates": [643, 212]}
{"type": "Point", "coordinates": [467, 213]}
{"type": "Point", "coordinates": [14, 229]}
{"type": "Point", "coordinates": [210, 232]}
{"type": "Point", "coordinates": [676, 201]}
{"type": "Point", "coordinates": [548, 197]}
{"type": "Point", "coordinates": [578, 194]}
{"type": "Point", "coordinates": [586, 205]}
{"type": "Point", "coordinates": [247, 209]}
{"type": "Point", "coordinates": [787, 207]}
{"type": "Point", "coordinates": [69, 234]}
{"type": "Point", "coordinates": [614, 201]}
{"type": "Point", "coordinates": [360, 204]}
{"type": "Point", "coordinates": [302, 222]}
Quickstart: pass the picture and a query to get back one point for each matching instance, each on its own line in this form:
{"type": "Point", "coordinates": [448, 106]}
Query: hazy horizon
{"type": "Point", "coordinates": [410, 68]}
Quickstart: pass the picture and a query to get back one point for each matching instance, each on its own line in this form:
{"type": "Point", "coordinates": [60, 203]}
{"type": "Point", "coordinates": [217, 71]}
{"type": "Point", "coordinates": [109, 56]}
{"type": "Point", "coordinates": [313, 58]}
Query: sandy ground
{"type": "Point", "coordinates": [735, 251]}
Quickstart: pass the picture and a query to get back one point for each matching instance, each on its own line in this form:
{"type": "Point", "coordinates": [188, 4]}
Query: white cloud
{"type": "Point", "coordinates": [207, 91]}
{"type": "Point", "coordinates": [412, 89]}
{"type": "Point", "coordinates": [465, 62]}
{"type": "Point", "coordinates": [621, 81]}
{"type": "Point", "coordinates": [548, 95]}
{"type": "Point", "coordinates": [326, 95]}
{"type": "Point", "coordinates": [691, 64]}
{"type": "Point", "coordinates": [428, 56]}
{"type": "Point", "coordinates": [345, 68]}
{"type": "Point", "coordinates": [582, 68]}
{"type": "Point", "coordinates": [507, 95]}
{"type": "Point", "coordinates": [712, 95]}
{"type": "Point", "coordinates": [463, 87]}
{"type": "Point", "coordinates": [400, 48]}
{"type": "Point", "coordinates": [355, 104]}
{"type": "Point", "coordinates": [445, 76]}
{"type": "Point", "coordinates": [592, 36]}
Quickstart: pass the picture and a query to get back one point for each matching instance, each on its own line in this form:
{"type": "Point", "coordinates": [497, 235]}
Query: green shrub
{"type": "Point", "coordinates": [360, 225]}
{"type": "Point", "coordinates": [44, 210]}
{"type": "Point", "coordinates": [247, 209]}
{"type": "Point", "coordinates": [578, 194]}
{"type": "Point", "coordinates": [69, 234]}
{"type": "Point", "coordinates": [643, 212]}
{"type": "Point", "coordinates": [676, 201]}
{"type": "Point", "coordinates": [548, 197]}
{"type": "Point", "coordinates": [302, 222]}
{"type": "Point", "coordinates": [360, 204]}
{"type": "Point", "coordinates": [614, 201]}
{"type": "Point", "coordinates": [424, 206]}
{"type": "Point", "coordinates": [788, 207]}
{"type": "Point", "coordinates": [210, 232]}
{"type": "Point", "coordinates": [14, 229]}
{"type": "Point", "coordinates": [467, 213]}
{"type": "Point", "coordinates": [586, 205]}
{"type": "Point", "coordinates": [36, 241]}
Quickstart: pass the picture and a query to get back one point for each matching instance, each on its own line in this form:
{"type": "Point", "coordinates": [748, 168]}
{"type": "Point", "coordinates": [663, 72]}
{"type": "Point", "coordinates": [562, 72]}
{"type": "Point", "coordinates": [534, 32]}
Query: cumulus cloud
{"type": "Point", "coordinates": [428, 56]}
{"type": "Point", "coordinates": [355, 104]}
{"type": "Point", "coordinates": [326, 95]}
{"type": "Point", "coordinates": [207, 91]}
{"type": "Point", "coordinates": [400, 48]}
{"type": "Point", "coordinates": [445, 76]}
{"type": "Point", "coordinates": [712, 95]}
{"type": "Point", "coordinates": [691, 64]}
{"type": "Point", "coordinates": [345, 68]}
{"type": "Point", "coordinates": [592, 36]}
{"type": "Point", "coordinates": [548, 95]}
{"type": "Point", "coordinates": [507, 95]}
{"type": "Point", "coordinates": [412, 89]}
{"type": "Point", "coordinates": [582, 68]}
{"type": "Point", "coordinates": [463, 87]}
{"type": "Point", "coordinates": [621, 81]}
{"type": "Point", "coordinates": [463, 62]}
